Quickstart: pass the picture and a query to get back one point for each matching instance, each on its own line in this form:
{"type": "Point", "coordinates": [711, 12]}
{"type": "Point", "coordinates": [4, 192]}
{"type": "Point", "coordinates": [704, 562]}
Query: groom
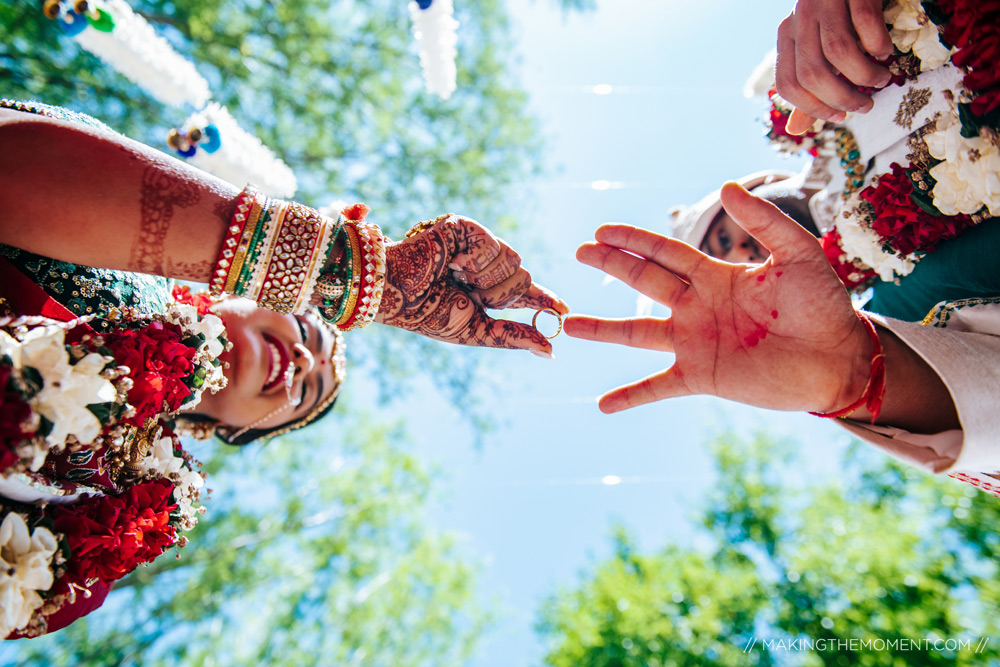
{"type": "Point", "coordinates": [784, 335]}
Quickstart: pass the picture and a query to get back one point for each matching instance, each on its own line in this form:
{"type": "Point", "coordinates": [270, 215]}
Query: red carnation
{"type": "Point", "coordinates": [200, 300]}
{"type": "Point", "coordinates": [901, 223]}
{"type": "Point", "coordinates": [851, 272]}
{"type": "Point", "coordinates": [111, 536]}
{"type": "Point", "coordinates": [158, 365]}
{"type": "Point", "coordinates": [974, 30]}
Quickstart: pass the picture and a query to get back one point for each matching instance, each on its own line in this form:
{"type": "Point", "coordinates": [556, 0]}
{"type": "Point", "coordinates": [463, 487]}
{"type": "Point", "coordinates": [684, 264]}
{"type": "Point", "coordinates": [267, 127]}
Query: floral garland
{"type": "Point", "coordinates": [436, 32]}
{"type": "Point", "coordinates": [126, 42]}
{"type": "Point", "coordinates": [213, 141]}
{"type": "Point", "coordinates": [96, 410]}
{"type": "Point", "coordinates": [952, 180]}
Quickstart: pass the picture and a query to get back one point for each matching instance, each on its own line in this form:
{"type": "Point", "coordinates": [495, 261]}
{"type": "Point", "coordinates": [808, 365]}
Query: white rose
{"type": "Point", "coordinates": [913, 31]}
{"type": "Point", "coordinates": [861, 243]}
{"type": "Point", "coordinates": [969, 177]}
{"type": "Point", "coordinates": [161, 459]}
{"type": "Point", "coordinates": [25, 569]}
{"type": "Point", "coordinates": [68, 390]}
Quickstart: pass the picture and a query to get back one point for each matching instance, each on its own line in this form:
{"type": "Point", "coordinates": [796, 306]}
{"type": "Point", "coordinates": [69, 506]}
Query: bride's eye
{"type": "Point", "coordinates": [302, 328]}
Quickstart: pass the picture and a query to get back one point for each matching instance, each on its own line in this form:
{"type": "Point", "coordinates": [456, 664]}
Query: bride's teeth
{"type": "Point", "coordinates": [275, 363]}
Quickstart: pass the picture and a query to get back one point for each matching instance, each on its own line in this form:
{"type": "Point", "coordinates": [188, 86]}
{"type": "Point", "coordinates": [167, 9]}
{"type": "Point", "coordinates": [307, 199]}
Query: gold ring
{"type": "Point", "coordinates": [534, 320]}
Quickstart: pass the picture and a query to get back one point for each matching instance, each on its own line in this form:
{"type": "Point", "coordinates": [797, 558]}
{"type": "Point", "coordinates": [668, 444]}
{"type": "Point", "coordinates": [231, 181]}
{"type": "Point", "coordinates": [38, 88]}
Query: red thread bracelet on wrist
{"type": "Point", "coordinates": [874, 392]}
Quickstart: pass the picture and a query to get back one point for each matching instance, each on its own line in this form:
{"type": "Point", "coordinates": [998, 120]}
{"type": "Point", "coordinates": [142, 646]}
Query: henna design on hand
{"type": "Point", "coordinates": [159, 194]}
{"type": "Point", "coordinates": [420, 294]}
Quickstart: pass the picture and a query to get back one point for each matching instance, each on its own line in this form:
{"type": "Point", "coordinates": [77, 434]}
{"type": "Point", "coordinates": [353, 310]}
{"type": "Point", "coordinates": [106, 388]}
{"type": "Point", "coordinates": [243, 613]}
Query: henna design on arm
{"type": "Point", "coordinates": [159, 193]}
{"type": "Point", "coordinates": [197, 271]}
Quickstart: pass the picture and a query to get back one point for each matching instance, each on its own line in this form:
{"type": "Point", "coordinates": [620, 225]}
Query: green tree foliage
{"type": "Point", "coordinates": [335, 89]}
{"type": "Point", "coordinates": [883, 553]}
{"type": "Point", "coordinates": [309, 555]}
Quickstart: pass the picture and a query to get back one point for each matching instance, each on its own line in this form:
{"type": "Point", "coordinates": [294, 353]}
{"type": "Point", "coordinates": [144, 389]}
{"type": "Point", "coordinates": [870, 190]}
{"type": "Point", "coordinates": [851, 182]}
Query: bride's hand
{"type": "Point", "coordinates": [781, 335]}
{"type": "Point", "coordinates": [440, 281]}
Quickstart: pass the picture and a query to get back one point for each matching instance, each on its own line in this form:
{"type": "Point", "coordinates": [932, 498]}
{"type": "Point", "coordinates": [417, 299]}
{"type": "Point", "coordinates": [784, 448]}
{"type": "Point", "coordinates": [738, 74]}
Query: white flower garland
{"type": "Point", "coordinates": [913, 31]}
{"type": "Point", "coordinates": [969, 177]}
{"type": "Point", "coordinates": [435, 30]}
{"type": "Point", "coordinates": [25, 569]}
{"type": "Point", "coordinates": [161, 462]}
{"type": "Point", "coordinates": [860, 242]}
{"type": "Point", "coordinates": [239, 157]}
{"type": "Point", "coordinates": [67, 388]}
{"type": "Point", "coordinates": [134, 49]}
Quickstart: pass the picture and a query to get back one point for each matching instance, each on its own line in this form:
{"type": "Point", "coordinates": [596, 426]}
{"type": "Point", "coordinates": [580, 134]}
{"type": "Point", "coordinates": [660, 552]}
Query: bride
{"type": "Point", "coordinates": [104, 368]}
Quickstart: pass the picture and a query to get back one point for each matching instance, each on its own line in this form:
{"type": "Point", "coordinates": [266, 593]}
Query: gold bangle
{"type": "Point", "coordinates": [555, 312]}
{"type": "Point", "coordinates": [351, 295]}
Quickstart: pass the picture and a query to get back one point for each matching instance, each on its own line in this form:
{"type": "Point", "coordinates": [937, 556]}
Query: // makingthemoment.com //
{"type": "Point", "coordinates": [863, 645]}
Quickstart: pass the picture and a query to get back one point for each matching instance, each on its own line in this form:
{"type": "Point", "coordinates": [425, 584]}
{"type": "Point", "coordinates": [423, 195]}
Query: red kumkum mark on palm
{"type": "Point", "coordinates": [757, 335]}
{"type": "Point", "coordinates": [760, 278]}
{"type": "Point", "coordinates": [774, 314]}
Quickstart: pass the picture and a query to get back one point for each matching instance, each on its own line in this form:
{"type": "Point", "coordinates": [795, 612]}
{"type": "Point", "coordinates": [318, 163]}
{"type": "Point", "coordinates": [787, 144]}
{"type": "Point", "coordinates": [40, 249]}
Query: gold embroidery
{"type": "Point", "coordinates": [88, 287]}
{"type": "Point", "coordinates": [941, 313]}
{"type": "Point", "coordinates": [918, 155]}
{"type": "Point", "coordinates": [914, 100]}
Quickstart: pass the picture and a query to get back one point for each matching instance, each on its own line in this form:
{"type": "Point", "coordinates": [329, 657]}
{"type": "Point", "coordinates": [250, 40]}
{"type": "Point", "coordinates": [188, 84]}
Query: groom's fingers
{"type": "Point", "coordinates": [785, 238]}
{"type": "Point", "coordinates": [648, 277]}
{"type": "Point", "coordinates": [673, 255]}
{"type": "Point", "coordinates": [649, 333]}
{"type": "Point", "coordinates": [665, 384]}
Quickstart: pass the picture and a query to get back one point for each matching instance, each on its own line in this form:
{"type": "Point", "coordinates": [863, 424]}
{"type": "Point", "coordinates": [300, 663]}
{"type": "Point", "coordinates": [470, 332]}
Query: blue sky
{"type": "Point", "coordinates": [531, 502]}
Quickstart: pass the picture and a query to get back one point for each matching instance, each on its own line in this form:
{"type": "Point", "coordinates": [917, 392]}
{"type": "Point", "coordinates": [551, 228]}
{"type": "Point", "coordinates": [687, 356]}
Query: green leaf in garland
{"type": "Point", "coordinates": [102, 411]}
{"type": "Point", "coordinates": [194, 341]}
{"type": "Point", "coordinates": [33, 379]}
{"type": "Point", "coordinates": [970, 122]}
{"type": "Point", "coordinates": [926, 202]}
{"type": "Point", "coordinates": [936, 14]}
{"type": "Point", "coordinates": [44, 426]}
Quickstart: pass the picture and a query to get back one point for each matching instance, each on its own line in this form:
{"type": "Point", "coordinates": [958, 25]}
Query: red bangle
{"type": "Point", "coordinates": [244, 202]}
{"type": "Point", "coordinates": [874, 392]}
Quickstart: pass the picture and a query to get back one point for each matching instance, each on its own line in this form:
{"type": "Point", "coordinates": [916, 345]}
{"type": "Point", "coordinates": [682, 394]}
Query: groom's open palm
{"type": "Point", "coordinates": [781, 335]}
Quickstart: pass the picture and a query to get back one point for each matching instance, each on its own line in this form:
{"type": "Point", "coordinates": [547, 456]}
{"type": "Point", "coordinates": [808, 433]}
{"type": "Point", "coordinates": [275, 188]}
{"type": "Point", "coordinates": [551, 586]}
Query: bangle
{"type": "Point", "coordinates": [230, 242]}
{"type": "Point", "coordinates": [874, 392]}
{"type": "Point", "coordinates": [254, 220]}
{"type": "Point", "coordinates": [353, 282]}
{"type": "Point", "coordinates": [372, 274]}
{"type": "Point", "coordinates": [302, 237]}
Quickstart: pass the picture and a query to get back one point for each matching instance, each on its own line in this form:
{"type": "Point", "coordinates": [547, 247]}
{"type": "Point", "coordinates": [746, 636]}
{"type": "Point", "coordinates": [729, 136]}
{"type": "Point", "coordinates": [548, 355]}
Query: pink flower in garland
{"type": "Point", "coordinates": [111, 536]}
{"type": "Point", "coordinates": [901, 223]}
{"type": "Point", "coordinates": [158, 364]}
{"type": "Point", "coordinates": [853, 274]}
